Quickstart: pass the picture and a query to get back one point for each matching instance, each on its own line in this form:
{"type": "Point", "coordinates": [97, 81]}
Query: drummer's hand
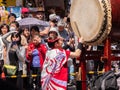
{"type": "Point", "coordinates": [71, 41]}
{"type": "Point", "coordinates": [81, 40]}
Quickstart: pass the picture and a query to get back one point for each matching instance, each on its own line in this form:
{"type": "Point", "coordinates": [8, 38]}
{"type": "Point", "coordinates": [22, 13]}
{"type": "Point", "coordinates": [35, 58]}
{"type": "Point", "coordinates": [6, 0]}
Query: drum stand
{"type": "Point", "coordinates": [107, 56]}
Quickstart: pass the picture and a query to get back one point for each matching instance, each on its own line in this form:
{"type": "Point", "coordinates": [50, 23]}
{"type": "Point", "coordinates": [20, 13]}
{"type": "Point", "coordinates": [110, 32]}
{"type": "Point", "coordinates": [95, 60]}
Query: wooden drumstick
{"type": "Point", "coordinates": [76, 27]}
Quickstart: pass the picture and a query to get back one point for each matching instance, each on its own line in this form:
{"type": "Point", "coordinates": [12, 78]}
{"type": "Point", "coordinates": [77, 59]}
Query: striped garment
{"type": "Point", "coordinates": [54, 73]}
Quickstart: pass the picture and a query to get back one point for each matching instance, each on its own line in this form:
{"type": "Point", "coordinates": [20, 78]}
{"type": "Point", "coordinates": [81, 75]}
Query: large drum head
{"type": "Point", "coordinates": [89, 19]}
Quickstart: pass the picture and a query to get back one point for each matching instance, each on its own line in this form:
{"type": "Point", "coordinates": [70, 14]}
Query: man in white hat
{"type": "Point", "coordinates": [61, 28]}
{"type": "Point", "coordinates": [53, 32]}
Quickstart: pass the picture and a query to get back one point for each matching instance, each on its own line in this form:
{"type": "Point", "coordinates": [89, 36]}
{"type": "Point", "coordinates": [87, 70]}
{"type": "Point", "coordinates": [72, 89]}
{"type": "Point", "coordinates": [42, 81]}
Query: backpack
{"type": "Point", "coordinates": [36, 58]}
{"type": "Point", "coordinates": [105, 81]}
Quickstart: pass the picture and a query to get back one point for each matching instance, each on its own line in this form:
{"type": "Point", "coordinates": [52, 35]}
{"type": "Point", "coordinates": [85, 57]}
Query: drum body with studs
{"type": "Point", "coordinates": [95, 20]}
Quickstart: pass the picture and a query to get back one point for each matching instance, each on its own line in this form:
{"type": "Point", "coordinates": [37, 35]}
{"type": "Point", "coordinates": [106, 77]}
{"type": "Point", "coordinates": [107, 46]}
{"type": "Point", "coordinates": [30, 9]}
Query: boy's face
{"type": "Point", "coordinates": [60, 28]}
{"type": "Point", "coordinates": [33, 32]}
{"type": "Point", "coordinates": [11, 19]}
{"type": "Point", "coordinates": [40, 15]}
{"type": "Point", "coordinates": [53, 34]}
{"type": "Point", "coordinates": [36, 40]}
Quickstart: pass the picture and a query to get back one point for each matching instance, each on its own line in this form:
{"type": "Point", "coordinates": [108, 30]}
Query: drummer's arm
{"type": "Point", "coordinates": [78, 51]}
{"type": "Point", "coordinates": [44, 32]}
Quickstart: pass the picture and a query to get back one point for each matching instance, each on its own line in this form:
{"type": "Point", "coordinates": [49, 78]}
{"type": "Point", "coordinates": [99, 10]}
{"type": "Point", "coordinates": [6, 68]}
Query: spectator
{"type": "Point", "coordinates": [1, 56]}
{"type": "Point", "coordinates": [98, 64]}
{"type": "Point", "coordinates": [4, 28]}
{"type": "Point", "coordinates": [33, 31]}
{"type": "Point", "coordinates": [53, 32]}
{"type": "Point", "coordinates": [54, 17]}
{"type": "Point", "coordinates": [61, 28]}
{"type": "Point", "coordinates": [53, 23]}
{"type": "Point", "coordinates": [14, 26]}
{"type": "Point", "coordinates": [26, 33]}
{"type": "Point", "coordinates": [40, 15]}
{"type": "Point", "coordinates": [25, 12]}
{"type": "Point", "coordinates": [16, 55]}
{"type": "Point", "coordinates": [36, 51]}
{"type": "Point", "coordinates": [11, 18]}
{"type": "Point", "coordinates": [3, 15]}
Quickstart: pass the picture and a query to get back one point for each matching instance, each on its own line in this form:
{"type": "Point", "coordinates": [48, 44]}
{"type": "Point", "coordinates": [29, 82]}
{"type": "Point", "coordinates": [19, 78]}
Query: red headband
{"type": "Point", "coordinates": [52, 40]}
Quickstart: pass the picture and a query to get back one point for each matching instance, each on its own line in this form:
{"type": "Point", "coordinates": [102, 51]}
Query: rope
{"type": "Point", "coordinates": [23, 76]}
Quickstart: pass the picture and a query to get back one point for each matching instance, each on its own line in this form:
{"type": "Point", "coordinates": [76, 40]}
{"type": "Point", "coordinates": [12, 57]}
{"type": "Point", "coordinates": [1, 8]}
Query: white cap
{"type": "Point", "coordinates": [54, 29]}
{"type": "Point", "coordinates": [52, 16]}
{"type": "Point", "coordinates": [61, 23]}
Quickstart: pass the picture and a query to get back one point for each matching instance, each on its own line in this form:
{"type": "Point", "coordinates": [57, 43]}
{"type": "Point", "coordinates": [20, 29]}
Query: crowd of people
{"type": "Point", "coordinates": [47, 51]}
